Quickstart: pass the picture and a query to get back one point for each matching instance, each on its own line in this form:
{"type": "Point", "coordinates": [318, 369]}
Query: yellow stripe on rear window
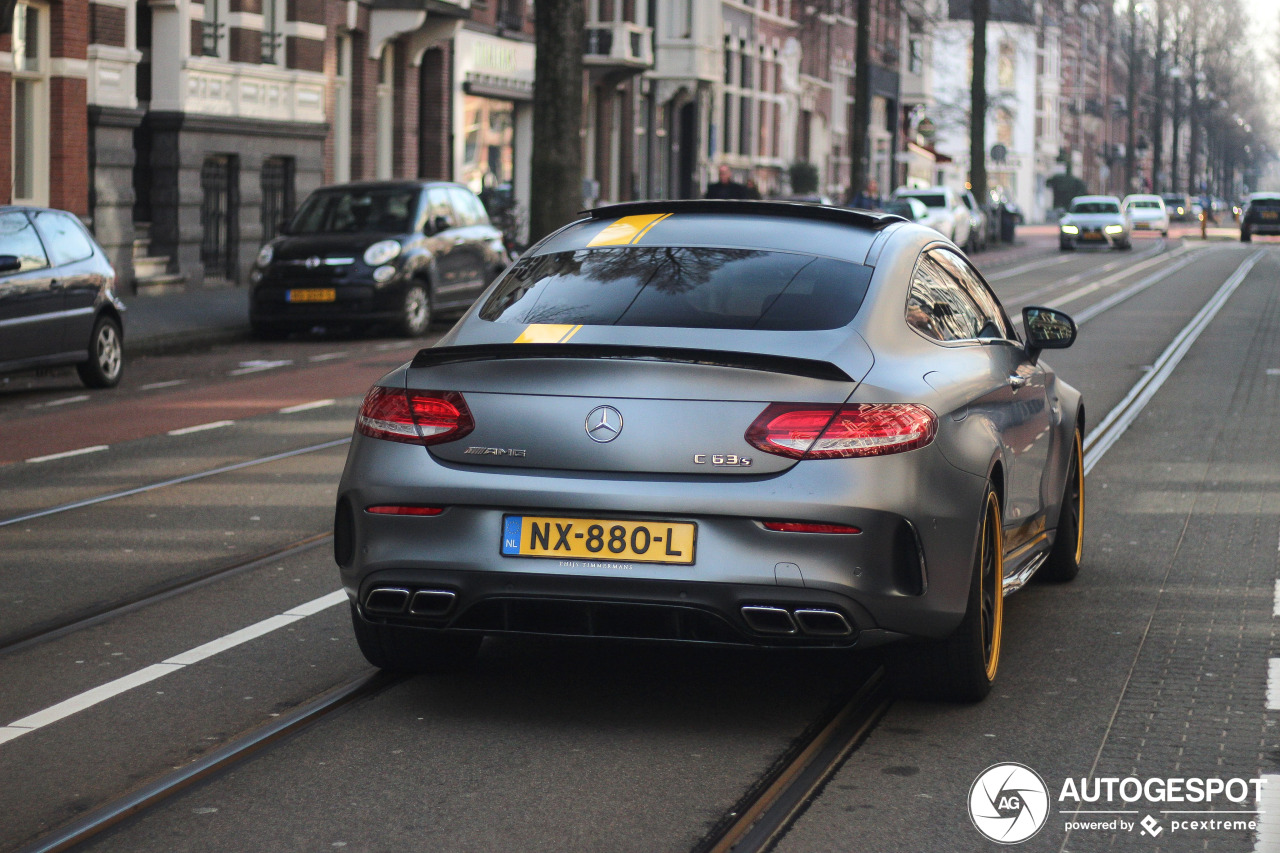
{"type": "Point", "coordinates": [547, 333]}
{"type": "Point", "coordinates": [628, 230]}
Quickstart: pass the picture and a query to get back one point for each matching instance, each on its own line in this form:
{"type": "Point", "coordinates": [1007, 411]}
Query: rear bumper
{"type": "Point", "coordinates": [906, 573]}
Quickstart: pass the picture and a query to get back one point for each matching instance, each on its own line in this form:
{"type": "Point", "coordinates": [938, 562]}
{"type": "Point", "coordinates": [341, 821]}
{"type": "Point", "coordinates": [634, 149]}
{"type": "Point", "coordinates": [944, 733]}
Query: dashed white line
{"type": "Point", "coordinates": [1273, 684]}
{"type": "Point", "coordinates": [67, 454]}
{"type": "Point", "coordinates": [201, 427]}
{"type": "Point", "coordinates": [79, 398]}
{"type": "Point", "coordinates": [306, 407]}
{"type": "Point", "coordinates": [259, 366]}
{"type": "Point", "coordinates": [327, 356]}
{"type": "Point", "coordinates": [156, 386]}
{"type": "Point", "coordinates": [89, 698]}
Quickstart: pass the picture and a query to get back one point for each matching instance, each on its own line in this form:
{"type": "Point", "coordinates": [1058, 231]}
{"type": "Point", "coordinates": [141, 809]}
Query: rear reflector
{"type": "Point", "coordinates": [404, 510]}
{"type": "Point", "coordinates": [414, 417]}
{"type": "Point", "coordinates": [819, 431]}
{"type": "Point", "coordinates": [808, 527]}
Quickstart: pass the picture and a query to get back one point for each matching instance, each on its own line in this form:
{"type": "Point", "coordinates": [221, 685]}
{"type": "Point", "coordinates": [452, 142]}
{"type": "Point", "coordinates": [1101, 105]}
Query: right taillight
{"type": "Point", "coordinates": [414, 417]}
{"type": "Point", "coordinates": [817, 431]}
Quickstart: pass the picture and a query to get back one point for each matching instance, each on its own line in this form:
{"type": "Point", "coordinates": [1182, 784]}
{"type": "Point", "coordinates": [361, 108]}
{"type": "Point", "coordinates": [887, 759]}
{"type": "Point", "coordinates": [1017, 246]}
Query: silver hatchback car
{"type": "Point", "coordinates": [724, 422]}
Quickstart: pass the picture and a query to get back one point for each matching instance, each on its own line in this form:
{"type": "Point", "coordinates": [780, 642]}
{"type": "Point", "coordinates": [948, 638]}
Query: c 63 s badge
{"type": "Point", "coordinates": [722, 460]}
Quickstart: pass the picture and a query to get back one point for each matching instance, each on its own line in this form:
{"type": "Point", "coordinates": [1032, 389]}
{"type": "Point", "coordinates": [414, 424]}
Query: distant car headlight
{"type": "Point", "coordinates": [265, 254]}
{"type": "Point", "coordinates": [1070, 229]}
{"type": "Point", "coordinates": [1181, 210]}
{"type": "Point", "coordinates": [1114, 229]}
{"type": "Point", "coordinates": [381, 252]}
{"type": "Point", "coordinates": [382, 274]}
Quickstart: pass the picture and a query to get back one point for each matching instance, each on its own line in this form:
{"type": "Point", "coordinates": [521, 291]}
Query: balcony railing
{"type": "Point", "coordinates": [618, 45]}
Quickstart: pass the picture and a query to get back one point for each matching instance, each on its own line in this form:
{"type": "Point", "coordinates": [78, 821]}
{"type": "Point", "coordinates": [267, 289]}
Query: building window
{"type": "Point", "coordinates": [219, 185]}
{"type": "Point", "coordinates": [1005, 65]}
{"type": "Point", "coordinates": [916, 57]}
{"type": "Point", "coordinates": [273, 32]}
{"type": "Point", "coordinates": [277, 180]}
{"type": "Point", "coordinates": [214, 30]}
{"type": "Point", "coordinates": [30, 104]}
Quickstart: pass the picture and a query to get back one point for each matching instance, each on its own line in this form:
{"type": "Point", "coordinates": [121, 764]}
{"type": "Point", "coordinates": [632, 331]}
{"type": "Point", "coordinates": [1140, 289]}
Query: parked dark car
{"type": "Point", "coordinates": [57, 297]}
{"type": "Point", "coordinates": [1261, 216]}
{"type": "Point", "coordinates": [397, 252]}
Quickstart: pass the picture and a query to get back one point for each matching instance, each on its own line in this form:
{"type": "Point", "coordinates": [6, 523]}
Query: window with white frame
{"type": "Point", "coordinates": [213, 41]}
{"type": "Point", "coordinates": [31, 103]}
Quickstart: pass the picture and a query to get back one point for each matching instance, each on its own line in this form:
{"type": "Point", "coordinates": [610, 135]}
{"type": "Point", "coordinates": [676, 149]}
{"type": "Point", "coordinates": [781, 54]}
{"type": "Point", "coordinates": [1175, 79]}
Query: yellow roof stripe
{"type": "Point", "coordinates": [547, 333]}
{"type": "Point", "coordinates": [628, 230]}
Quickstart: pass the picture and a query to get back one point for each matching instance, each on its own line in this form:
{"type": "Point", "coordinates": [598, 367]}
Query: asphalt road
{"type": "Point", "coordinates": [211, 474]}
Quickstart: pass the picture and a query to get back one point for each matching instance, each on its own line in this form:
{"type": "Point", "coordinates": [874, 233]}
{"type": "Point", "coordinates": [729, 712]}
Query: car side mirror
{"type": "Point", "coordinates": [10, 263]}
{"type": "Point", "coordinates": [1047, 329]}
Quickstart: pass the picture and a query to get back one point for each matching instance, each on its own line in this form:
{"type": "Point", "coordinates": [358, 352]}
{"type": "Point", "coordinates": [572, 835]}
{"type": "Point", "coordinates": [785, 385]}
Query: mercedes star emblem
{"type": "Point", "coordinates": [604, 423]}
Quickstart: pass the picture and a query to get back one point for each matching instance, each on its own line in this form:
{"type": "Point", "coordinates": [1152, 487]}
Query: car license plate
{"type": "Point", "coordinates": [599, 539]}
{"type": "Point", "coordinates": [312, 294]}
{"type": "Point", "coordinates": [1091, 235]}
{"type": "Point", "coordinates": [1270, 214]}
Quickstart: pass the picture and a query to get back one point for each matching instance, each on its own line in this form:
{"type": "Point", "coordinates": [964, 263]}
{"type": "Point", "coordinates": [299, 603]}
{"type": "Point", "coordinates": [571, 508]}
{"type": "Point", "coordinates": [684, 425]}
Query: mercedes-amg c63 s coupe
{"type": "Point", "coordinates": [759, 423]}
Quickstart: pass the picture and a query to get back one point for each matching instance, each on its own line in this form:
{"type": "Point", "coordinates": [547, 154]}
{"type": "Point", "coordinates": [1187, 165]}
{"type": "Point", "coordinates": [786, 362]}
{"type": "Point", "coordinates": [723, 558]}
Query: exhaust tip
{"type": "Point", "coordinates": [768, 620]}
{"type": "Point", "coordinates": [432, 602]}
{"type": "Point", "coordinates": [386, 600]}
{"type": "Point", "coordinates": [826, 623]}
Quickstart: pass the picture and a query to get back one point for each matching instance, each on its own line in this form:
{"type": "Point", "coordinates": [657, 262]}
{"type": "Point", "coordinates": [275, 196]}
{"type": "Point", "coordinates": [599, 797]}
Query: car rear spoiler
{"type": "Point", "coordinates": [806, 367]}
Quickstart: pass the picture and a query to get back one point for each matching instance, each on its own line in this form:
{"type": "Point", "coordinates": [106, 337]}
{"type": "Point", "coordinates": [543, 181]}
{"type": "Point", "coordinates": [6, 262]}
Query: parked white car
{"type": "Point", "coordinates": [979, 226]}
{"type": "Point", "coordinates": [948, 215]}
{"type": "Point", "coordinates": [1147, 213]}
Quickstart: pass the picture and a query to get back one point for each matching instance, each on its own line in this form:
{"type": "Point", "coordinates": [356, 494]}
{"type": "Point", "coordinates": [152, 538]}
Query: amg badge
{"type": "Point", "coordinates": [495, 451]}
{"type": "Point", "coordinates": [722, 460]}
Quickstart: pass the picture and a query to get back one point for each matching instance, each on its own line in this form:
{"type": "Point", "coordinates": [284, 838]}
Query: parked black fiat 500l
{"type": "Point", "coordinates": [392, 252]}
{"type": "Point", "coordinates": [57, 297]}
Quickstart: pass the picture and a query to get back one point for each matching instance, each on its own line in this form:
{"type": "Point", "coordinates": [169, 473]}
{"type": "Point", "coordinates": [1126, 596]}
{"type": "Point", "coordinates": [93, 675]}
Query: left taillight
{"type": "Point", "coordinates": [414, 417]}
{"type": "Point", "coordinates": [855, 430]}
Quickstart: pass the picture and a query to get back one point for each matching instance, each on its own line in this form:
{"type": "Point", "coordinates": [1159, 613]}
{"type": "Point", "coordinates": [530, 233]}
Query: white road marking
{"type": "Point", "coordinates": [156, 386]}
{"type": "Point", "coordinates": [1126, 412]}
{"type": "Point", "coordinates": [67, 454]}
{"type": "Point", "coordinates": [201, 427]}
{"type": "Point", "coordinates": [1273, 371]}
{"type": "Point", "coordinates": [306, 407]}
{"type": "Point", "coordinates": [1275, 606]}
{"type": "Point", "coordinates": [259, 365]}
{"type": "Point", "coordinates": [1273, 684]}
{"type": "Point", "coordinates": [327, 356]}
{"type": "Point", "coordinates": [146, 675]}
{"type": "Point", "coordinates": [79, 398]}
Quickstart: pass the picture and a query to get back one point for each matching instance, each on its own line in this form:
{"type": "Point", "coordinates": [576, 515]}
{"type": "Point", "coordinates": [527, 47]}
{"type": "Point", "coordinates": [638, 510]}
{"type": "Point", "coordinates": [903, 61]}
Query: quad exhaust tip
{"type": "Point", "coordinates": [393, 601]}
{"type": "Point", "coordinates": [778, 620]}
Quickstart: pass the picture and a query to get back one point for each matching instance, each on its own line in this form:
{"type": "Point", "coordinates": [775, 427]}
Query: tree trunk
{"type": "Point", "coordinates": [859, 144]}
{"type": "Point", "coordinates": [1131, 101]}
{"type": "Point", "coordinates": [1157, 92]}
{"type": "Point", "coordinates": [978, 103]}
{"type": "Point", "coordinates": [556, 163]}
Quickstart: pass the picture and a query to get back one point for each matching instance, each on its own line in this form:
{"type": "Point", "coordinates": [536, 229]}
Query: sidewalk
{"type": "Point", "coordinates": [195, 317]}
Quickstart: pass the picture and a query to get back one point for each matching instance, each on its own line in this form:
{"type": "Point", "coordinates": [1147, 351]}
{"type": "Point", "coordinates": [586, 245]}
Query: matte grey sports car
{"type": "Point", "coordinates": [724, 422]}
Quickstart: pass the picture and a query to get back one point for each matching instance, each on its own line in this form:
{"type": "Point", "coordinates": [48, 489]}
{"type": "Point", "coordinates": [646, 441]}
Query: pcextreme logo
{"type": "Point", "coordinates": [1008, 803]}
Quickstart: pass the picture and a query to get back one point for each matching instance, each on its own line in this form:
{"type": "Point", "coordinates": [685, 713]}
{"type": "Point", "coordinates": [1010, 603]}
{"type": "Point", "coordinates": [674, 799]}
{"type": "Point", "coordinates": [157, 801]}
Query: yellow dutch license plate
{"type": "Point", "coordinates": [313, 294]}
{"type": "Point", "coordinates": [1270, 214]}
{"type": "Point", "coordinates": [1091, 235]}
{"type": "Point", "coordinates": [599, 539]}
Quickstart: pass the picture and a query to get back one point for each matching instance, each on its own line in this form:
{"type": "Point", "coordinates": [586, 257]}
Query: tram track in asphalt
{"type": "Point", "coordinates": [88, 617]}
{"type": "Point", "coordinates": [234, 753]}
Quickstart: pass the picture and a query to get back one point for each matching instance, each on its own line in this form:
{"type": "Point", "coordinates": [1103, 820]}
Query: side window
{"type": "Point", "coordinates": [938, 308]}
{"type": "Point", "coordinates": [480, 215]}
{"type": "Point", "coordinates": [995, 323]}
{"type": "Point", "coordinates": [462, 206]}
{"type": "Point", "coordinates": [438, 205]}
{"type": "Point", "coordinates": [18, 237]}
{"type": "Point", "coordinates": [64, 238]}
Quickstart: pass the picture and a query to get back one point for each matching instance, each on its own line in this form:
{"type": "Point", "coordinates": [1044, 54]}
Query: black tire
{"type": "Point", "coordinates": [106, 355]}
{"type": "Point", "coordinates": [415, 311]}
{"type": "Point", "coordinates": [1245, 236]}
{"type": "Point", "coordinates": [1066, 247]}
{"type": "Point", "coordinates": [962, 667]}
{"type": "Point", "coordinates": [1063, 563]}
{"type": "Point", "coordinates": [413, 650]}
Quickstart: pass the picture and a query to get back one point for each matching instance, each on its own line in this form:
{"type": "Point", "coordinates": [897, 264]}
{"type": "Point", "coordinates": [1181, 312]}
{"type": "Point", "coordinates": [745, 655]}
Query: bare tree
{"type": "Point", "coordinates": [556, 161]}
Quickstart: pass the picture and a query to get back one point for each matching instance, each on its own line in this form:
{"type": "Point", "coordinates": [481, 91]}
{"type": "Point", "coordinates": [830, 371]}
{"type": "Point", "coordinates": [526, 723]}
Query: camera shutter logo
{"type": "Point", "coordinates": [1008, 803]}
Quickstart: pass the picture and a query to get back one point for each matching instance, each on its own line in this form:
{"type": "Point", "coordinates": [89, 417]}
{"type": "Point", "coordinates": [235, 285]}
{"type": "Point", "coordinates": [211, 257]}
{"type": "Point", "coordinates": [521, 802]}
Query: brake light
{"type": "Point", "coordinates": [404, 510]}
{"type": "Point", "coordinates": [803, 431]}
{"type": "Point", "coordinates": [808, 527]}
{"type": "Point", "coordinates": [414, 417]}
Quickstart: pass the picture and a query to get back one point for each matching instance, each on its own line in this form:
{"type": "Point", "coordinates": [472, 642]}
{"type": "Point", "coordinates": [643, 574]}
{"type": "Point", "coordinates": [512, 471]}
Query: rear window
{"type": "Point", "coordinates": [1265, 203]}
{"type": "Point", "coordinates": [691, 288]}
{"type": "Point", "coordinates": [930, 200]}
{"type": "Point", "coordinates": [1145, 205]}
